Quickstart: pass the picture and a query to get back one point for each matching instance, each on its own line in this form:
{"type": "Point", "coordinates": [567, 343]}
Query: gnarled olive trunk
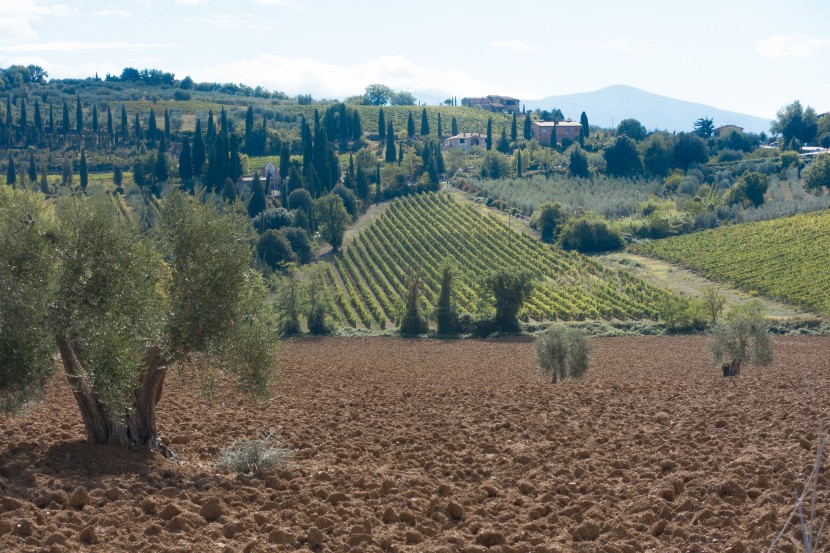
{"type": "Point", "coordinates": [135, 428]}
{"type": "Point", "coordinates": [732, 368]}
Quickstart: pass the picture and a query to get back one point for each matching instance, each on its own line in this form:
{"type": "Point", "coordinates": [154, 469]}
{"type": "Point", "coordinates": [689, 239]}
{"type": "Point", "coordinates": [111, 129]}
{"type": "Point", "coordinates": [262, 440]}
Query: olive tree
{"type": "Point", "coordinates": [743, 337]}
{"type": "Point", "coordinates": [562, 352]}
{"type": "Point", "coordinates": [121, 307]}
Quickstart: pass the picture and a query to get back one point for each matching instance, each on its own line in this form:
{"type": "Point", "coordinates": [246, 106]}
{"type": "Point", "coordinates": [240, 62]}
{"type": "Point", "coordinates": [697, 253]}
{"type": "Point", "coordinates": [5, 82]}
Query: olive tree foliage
{"type": "Point", "coordinates": [742, 338]}
{"type": "Point", "coordinates": [817, 175]}
{"type": "Point", "coordinates": [122, 307]}
{"type": "Point", "coordinates": [562, 352]}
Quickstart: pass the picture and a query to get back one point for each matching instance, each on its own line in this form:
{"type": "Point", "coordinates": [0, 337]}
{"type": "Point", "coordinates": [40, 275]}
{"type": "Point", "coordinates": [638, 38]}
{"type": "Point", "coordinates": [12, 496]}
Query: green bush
{"type": "Point", "coordinates": [562, 352]}
{"type": "Point", "coordinates": [590, 234]}
{"type": "Point", "coordinates": [253, 456]}
{"type": "Point", "coordinates": [682, 314]}
{"type": "Point", "coordinates": [743, 337]}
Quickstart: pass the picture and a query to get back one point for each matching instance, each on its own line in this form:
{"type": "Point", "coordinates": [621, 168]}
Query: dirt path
{"type": "Point", "coordinates": [682, 280]}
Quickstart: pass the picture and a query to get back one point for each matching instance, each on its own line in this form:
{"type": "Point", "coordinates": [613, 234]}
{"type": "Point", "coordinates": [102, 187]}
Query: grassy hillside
{"type": "Point", "coordinates": [786, 259]}
{"type": "Point", "coordinates": [426, 230]}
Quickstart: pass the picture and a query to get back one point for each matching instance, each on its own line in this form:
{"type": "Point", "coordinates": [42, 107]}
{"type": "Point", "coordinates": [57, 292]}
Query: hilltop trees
{"type": "Point", "coordinates": [704, 127]}
{"type": "Point", "coordinates": [121, 308]}
{"type": "Point", "coordinates": [794, 122]}
{"type": "Point", "coordinates": [378, 94]}
{"type": "Point", "coordinates": [631, 128]}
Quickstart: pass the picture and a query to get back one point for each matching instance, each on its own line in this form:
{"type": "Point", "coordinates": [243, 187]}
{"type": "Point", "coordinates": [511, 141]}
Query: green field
{"type": "Point", "coordinates": [427, 230]}
{"type": "Point", "coordinates": [786, 259]}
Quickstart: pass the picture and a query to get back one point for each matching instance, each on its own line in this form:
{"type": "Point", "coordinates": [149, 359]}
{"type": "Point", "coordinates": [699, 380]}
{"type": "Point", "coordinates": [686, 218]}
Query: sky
{"type": "Point", "coordinates": [750, 57]}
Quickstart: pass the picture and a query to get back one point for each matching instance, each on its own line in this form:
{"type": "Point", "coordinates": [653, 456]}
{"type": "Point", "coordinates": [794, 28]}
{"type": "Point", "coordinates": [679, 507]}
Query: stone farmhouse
{"type": "Point", "coordinates": [543, 130]}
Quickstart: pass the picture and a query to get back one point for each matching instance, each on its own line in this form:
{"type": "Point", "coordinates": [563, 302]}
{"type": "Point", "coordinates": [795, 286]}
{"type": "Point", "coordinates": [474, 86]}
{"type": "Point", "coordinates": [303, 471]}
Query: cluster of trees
{"type": "Point", "coordinates": [381, 95]}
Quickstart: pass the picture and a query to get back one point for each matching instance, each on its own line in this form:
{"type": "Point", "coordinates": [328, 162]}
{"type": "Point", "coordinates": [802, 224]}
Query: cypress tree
{"type": "Point", "coordinates": [519, 163]}
{"type": "Point", "coordinates": [390, 143]}
{"type": "Point", "coordinates": [234, 170]}
{"type": "Point", "coordinates": [185, 161]}
{"type": "Point", "coordinates": [32, 167]}
{"type": "Point", "coordinates": [344, 123]}
{"type": "Point", "coordinates": [454, 126]}
{"type": "Point", "coordinates": [211, 130]}
{"type": "Point", "coordinates": [439, 159]}
{"type": "Point", "coordinates": [295, 181]}
{"type": "Point", "coordinates": [440, 132]}
{"type": "Point", "coordinates": [44, 180]}
{"type": "Point", "coordinates": [554, 142]}
{"type": "Point", "coordinates": [410, 127]}
{"type": "Point", "coordinates": [109, 123]}
{"type": "Point", "coordinates": [137, 127]}
{"type": "Point", "coordinates": [285, 161]}
{"type": "Point", "coordinates": [83, 171]}
{"type": "Point", "coordinates": [256, 204]}
{"type": "Point", "coordinates": [160, 169]}
{"type": "Point", "coordinates": [51, 119]}
{"type": "Point", "coordinates": [489, 140]}
{"type": "Point", "coordinates": [9, 120]}
{"type": "Point", "coordinates": [316, 121]}
{"type": "Point", "coordinates": [586, 128]}
{"type": "Point", "coordinates": [308, 145]}
{"type": "Point", "coordinates": [513, 130]}
{"type": "Point", "coordinates": [21, 129]}
{"type": "Point", "coordinates": [249, 130]}
{"type": "Point", "coordinates": [400, 152]}
{"type": "Point", "coordinates": [166, 124]}
{"type": "Point", "coordinates": [357, 126]}
{"type": "Point", "coordinates": [528, 131]}
{"type": "Point", "coordinates": [361, 184]}
{"type": "Point", "coordinates": [79, 115]}
{"type": "Point", "coordinates": [424, 123]}
{"type": "Point", "coordinates": [124, 122]}
{"type": "Point", "coordinates": [152, 129]}
{"type": "Point", "coordinates": [381, 126]}
{"type": "Point", "coordinates": [94, 118]}
{"type": "Point", "coordinates": [322, 161]}
{"type": "Point", "coordinates": [445, 312]}
{"type": "Point", "coordinates": [11, 176]}
{"type": "Point", "coordinates": [503, 145]}
{"type": "Point", "coordinates": [198, 150]}
{"type": "Point", "coordinates": [65, 122]}
{"type": "Point", "coordinates": [223, 120]}
{"type": "Point", "coordinates": [38, 119]}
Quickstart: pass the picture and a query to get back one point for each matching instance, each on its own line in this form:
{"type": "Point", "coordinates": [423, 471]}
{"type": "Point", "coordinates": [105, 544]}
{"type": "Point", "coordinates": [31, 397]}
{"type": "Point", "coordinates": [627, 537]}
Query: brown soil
{"type": "Point", "coordinates": [441, 446]}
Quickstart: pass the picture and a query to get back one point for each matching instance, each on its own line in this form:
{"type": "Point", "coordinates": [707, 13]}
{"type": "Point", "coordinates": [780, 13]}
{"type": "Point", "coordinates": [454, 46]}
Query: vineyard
{"type": "Point", "coordinates": [428, 230]}
{"type": "Point", "coordinates": [786, 259]}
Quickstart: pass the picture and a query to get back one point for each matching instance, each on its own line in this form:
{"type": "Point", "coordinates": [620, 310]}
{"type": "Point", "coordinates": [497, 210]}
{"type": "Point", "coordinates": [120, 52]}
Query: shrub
{"type": "Point", "coordinates": [413, 321]}
{"type": "Point", "coordinates": [548, 219]}
{"type": "Point", "coordinates": [682, 314]}
{"type": "Point", "coordinates": [589, 235]}
{"type": "Point", "coordinates": [253, 456]}
{"type": "Point", "coordinates": [300, 243]}
{"type": "Point", "coordinates": [818, 173]}
{"type": "Point", "coordinates": [273, 218]}
{"type": "Point", "coordinates": [477, 326]}
{"type": "Point", "coordinates": [274, 250]}
{"type": "Point", "coordinates": [743, 337]}
{"type": "Point", "coordinates": [562, 353]}
{"type": "Point", "coordinates": [509, 288]}
{"type": "Point", "coordinates": [319, 303]}
{"type": "Point", "coordinates": [445, 314]}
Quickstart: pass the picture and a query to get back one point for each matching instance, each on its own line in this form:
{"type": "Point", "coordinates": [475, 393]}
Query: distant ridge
{"type": "Point", "coordinates": [620, 102]}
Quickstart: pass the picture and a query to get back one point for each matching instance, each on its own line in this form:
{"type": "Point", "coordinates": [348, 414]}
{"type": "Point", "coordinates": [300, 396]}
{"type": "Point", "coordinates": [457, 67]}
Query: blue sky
{"type": "Point", "coordinates": [751, 57]}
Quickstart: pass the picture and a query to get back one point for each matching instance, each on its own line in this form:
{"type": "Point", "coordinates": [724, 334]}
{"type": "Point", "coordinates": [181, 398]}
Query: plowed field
{"type": "Point", "coordinates": [441, 446]}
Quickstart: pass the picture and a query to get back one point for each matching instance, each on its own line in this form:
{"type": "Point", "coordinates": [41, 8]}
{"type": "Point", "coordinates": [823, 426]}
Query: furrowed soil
{"type": "Point", "coordinates": [428, 445]}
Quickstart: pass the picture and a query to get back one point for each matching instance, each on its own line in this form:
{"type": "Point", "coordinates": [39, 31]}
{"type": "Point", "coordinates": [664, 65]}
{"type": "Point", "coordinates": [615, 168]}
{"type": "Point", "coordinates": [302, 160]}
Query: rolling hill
{"type": "Point", "coordinates": [619, 102]}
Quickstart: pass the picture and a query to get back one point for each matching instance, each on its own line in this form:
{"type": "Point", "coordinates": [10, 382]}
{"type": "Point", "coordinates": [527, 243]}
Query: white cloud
{"type": "Point", "coordinates": [272, 2]}
{"type": "Point", "coordinates": [232, 21]}
{"type": "Point", "coordinates": [622, 45]}
{"type": "Point", "coordinates": [781, 47]}
{"type": "Point", "coordinates": [329, 80]}
{"type": "Point", "coordinates": [112, 12]}
{"type": "Point", "coordinates": [77, 46]}
{"type": "Point", "coordinates": [516, 45]}
{"type": "Point", "coordinates": [16, 18]}
{"type": "Point", "coordinates": [191, 2]}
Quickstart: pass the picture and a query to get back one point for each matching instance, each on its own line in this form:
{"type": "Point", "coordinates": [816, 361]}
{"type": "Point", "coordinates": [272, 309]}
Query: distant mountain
{"type": "Point", "coordinates": [620, 102]}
